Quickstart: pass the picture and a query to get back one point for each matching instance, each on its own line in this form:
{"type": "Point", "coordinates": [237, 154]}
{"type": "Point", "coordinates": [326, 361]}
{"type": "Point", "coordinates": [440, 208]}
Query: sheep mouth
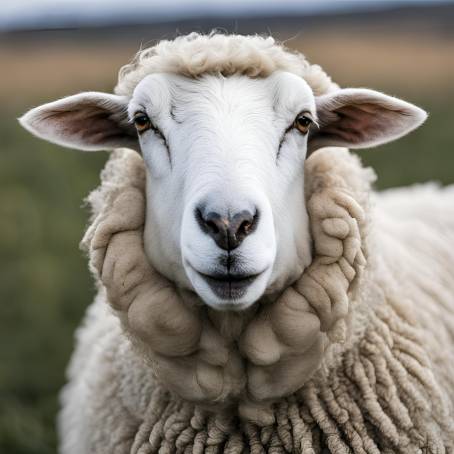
{"type": "Point", "coordinates": [229, 286]}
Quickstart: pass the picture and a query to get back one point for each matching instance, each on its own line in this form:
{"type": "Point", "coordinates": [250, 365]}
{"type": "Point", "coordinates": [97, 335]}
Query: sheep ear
{"type": "Point", "coordinates": [362, 118]}
{"type": "Point", "coordinates": [87, 121]}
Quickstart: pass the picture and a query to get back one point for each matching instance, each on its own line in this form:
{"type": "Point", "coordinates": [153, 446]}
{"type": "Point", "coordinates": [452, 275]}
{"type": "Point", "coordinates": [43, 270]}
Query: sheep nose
{"type": "Point", "coordinates": [227, 231]}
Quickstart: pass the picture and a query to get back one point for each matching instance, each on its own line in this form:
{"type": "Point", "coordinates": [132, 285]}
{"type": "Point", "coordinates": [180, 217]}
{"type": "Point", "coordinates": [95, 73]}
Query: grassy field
{"type": "Point", "coordinates": [44, 283]}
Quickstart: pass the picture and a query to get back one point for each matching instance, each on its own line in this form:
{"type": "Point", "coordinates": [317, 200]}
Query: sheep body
{"type": "Point", "coordinates": [379, 294]}
{"type": "Point", "coordinates": [387, 388]}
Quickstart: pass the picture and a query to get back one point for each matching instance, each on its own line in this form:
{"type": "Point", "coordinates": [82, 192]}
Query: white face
{"type": "Point", "coordinates": [226, 215]}
{"type": "Point", "coordinates": [225, 160]}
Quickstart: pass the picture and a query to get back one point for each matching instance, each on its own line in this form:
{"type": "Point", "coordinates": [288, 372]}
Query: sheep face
{"type": "Point", "coordinates": [225, 160]}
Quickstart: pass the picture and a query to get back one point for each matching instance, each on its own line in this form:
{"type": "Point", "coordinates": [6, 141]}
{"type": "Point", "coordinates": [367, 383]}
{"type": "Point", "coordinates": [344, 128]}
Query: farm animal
{"type": "Point", "coordinates": [255, 295]}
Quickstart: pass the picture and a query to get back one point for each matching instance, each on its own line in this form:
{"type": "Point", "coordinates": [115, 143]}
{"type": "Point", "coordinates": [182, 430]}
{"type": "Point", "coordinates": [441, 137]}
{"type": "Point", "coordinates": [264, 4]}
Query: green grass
{"type": "Point", "coordinates": [44, 283]}
{"type": "Point", "coordinates": [424, 155]}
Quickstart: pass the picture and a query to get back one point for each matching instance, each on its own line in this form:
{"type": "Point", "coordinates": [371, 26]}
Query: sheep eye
{"type": "Point", "coordinates": [142, 122]}
{"type": "Point", "coordinates": [303, 122]}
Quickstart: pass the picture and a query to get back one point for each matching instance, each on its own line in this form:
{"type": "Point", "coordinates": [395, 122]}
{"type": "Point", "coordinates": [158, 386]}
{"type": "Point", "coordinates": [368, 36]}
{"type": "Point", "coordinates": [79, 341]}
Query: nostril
{"type": "Point", "coordinates": [203, 223]}
{"type": "Point", "coordinates": [246, 224]}
{"type": "Point", "coordinates": [212, 226]}
{"type": "Point", "coordinates": [245, 227]}
{"type": "Point", "coordinates": [211, 223]}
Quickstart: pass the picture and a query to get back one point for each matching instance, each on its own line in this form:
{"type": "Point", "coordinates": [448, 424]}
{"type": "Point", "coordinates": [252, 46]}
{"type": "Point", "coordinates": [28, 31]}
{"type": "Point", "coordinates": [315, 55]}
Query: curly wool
{"type": "Point", "coordinates": [382, 380]}
{"type": "Point", "coordinates": [195, 54]}
{"type": "Point", "coordinates": [387, 388]}
{"type": "Point", "coordinates": [282, 341]}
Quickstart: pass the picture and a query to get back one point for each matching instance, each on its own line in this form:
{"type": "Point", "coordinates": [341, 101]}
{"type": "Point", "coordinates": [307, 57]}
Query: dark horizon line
{"type": "Point", "coordinates": [133, 20]}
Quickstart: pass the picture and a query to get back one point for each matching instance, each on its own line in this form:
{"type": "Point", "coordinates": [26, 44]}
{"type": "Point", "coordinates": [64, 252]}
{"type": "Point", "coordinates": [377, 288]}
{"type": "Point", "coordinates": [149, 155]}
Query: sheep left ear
{"type": "Point", "coordinates": [88, 121]}
{"type": "Point", "coordinates": [361, 118]}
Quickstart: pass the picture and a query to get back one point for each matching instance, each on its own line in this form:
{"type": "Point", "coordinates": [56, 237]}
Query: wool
{"type": "Point", "coordinates": [195, 54]}
{"type": "Point", "coordinates": [291, 327]}
{"type": "Point", "coordinates": [382, 384]}
{"type": "Point", "coordinates": [355, 356]}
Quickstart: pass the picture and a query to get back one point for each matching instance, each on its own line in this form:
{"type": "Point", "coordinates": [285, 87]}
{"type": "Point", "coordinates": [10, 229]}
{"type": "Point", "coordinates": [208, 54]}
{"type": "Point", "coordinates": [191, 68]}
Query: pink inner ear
{"type": "Point", "coordinates": [358, 123]}
{"type": "Point", "coordinates": [361, 118]}
{"type": "Point", "coordinates": [361, 123]}
{"type": "Point", "coordinates": [92, 124]}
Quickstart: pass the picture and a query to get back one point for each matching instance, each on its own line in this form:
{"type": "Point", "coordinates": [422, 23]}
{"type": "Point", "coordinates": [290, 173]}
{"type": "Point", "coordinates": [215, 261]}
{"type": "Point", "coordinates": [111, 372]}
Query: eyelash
{"type": "Point", "coordinates": [150, 126]}
{"type": "Point", "coordinates": [303, 122]}
{"type": "Point", "coordinates": [293, 126]}
{"type": "Point", "coordinates": [153, 128]}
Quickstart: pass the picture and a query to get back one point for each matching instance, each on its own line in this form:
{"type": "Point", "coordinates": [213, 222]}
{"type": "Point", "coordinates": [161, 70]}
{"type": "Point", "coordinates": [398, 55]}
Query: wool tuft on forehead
{"type": "Point", "coordinates": [195, 54]}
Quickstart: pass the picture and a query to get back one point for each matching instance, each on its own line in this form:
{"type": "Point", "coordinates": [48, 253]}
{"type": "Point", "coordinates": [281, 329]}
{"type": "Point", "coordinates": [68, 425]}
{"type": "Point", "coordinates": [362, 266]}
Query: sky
{"type": "Point", "coordinates": [58, 13]}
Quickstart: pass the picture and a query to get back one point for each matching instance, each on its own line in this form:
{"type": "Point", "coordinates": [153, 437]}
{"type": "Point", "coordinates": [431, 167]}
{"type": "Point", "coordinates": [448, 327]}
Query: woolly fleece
{"type": "Point", "coordinates": [387, 388]}
{"type": "Point", "coordinates": [356, 356]}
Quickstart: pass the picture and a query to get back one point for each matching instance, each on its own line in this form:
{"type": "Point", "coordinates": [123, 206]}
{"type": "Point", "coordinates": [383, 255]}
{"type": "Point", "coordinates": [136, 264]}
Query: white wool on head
{"type": "Point", "coordinates": [196, 54]}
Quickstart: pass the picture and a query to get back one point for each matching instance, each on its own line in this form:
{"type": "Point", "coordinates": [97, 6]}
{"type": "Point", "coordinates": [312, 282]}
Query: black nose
{"type": "Point", "coordinates": [227, 231]}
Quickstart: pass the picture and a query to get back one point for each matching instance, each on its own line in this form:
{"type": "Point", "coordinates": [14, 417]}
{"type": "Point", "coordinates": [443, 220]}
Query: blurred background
{"type": "Point", "coordinates": [49, 49]}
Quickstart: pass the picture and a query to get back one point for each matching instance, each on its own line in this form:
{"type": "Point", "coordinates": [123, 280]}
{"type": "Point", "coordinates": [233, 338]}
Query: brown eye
{"type": "Point", "coordinates": [142, 122]}
{"type": "Point", "coordinates": [303, 122]}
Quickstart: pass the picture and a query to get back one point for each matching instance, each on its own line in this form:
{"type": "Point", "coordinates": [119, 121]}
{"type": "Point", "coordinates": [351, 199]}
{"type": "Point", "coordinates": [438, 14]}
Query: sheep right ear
{"type": "Point", "coordinates": [88, 121]}
{"type": "Point", "coordinates": [362, 118]}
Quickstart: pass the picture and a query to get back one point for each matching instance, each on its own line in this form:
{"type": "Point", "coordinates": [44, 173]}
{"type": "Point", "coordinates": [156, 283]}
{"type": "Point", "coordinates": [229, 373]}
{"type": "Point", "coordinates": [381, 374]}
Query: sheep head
{"type": "Point", "coordinates": [226, 214]}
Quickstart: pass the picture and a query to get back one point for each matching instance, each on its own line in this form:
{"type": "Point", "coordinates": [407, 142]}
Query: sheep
{"type": "Point", "coordinates": [255, 295]}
